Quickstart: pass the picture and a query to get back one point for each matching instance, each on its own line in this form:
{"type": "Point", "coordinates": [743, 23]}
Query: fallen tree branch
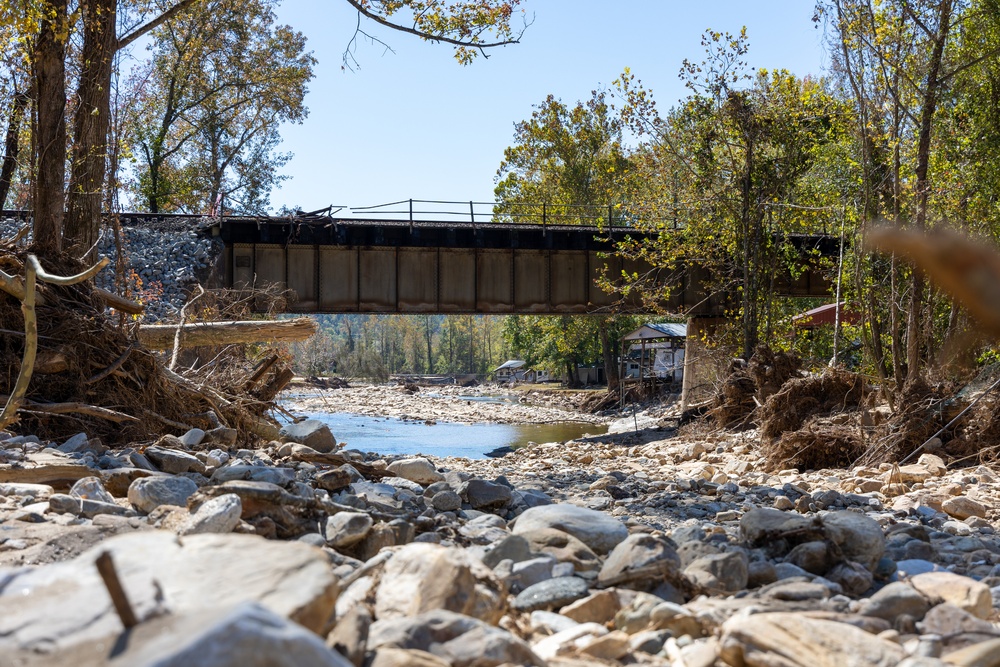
{"type": "Point", "coordinates": [169, 422]}
{"type": "Point", "coordinates": [161, 336]}
{"type": "Point", "coordinates": [119, 303]}
{"type": "Point", "coordinates": [106, 568]}
{"type": "Point", "coordinates": [260, 371]}
{"type": "Point", "coordinates": [177, 334]}
{"type": "Point", "coordinates": [78, 408]}
{"type": "Point", "coordinates": [15, 287]}
{"type": "Point", "coordinates": [115, 365]}
{"type": "Point", "coordinates": [46, 277]}
{"type": "Point", "coordinates": [13, 404]}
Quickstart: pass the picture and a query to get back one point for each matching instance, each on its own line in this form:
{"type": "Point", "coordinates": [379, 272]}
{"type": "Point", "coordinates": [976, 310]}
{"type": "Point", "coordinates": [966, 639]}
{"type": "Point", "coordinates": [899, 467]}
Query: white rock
{"type": "Point", "coordinates": [345, 529]}
{"type": "Point", "coordinates": [418, 470]}
{"type": "Point", "coordinates": [148, 493]}
{"type": "Point", "coordinates": [217, 515]}
{"type": "Point", "coordinates": [597, 530]}
{"type": "Point", "coordinates": [198, 572]}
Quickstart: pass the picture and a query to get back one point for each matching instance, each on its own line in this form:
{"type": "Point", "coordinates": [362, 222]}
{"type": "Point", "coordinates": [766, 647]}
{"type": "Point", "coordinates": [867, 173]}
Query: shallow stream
{"type": "Point", "coordinates": [394, 436]}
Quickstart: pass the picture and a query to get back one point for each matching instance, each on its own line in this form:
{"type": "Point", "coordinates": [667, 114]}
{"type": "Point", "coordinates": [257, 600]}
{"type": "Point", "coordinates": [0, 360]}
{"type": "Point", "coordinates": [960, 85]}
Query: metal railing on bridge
{"type": "Point", "coordinates": [524, 213]}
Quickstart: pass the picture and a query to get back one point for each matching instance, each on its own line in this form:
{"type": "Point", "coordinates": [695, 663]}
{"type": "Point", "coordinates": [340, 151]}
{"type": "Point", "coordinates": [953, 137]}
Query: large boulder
{"type": "Point", "coordinates": [418, 470]}
{"type": "Point", "coordinates": [199, 572]}
{"type": "Point", "coordinates": [311, 433]}
{"type": "Point", "coordinates": [858, 536]}
{"type": "Point", "coordinates": [243, 635]}
{"type": "Point", "coordinates": [462, 641]}
{"type": "Point", "coordinates": [148, 493]}
{"type": "Point", "coordinates": [597, 530]}
{"type": "Point", "coordinates": [639, 561]}
{"type": "Point", "coordinates": [761, 524]}
{"type": "Point", "coordinates": [421, 577]}
{"type": "Point", "coordinates": [725, 572]}
{"type": "Point", "coordinates": [792, 639]}
{"type": "Point", "coordinates": [563, 547]}
{"type": "Point", "coordinates": [216, 515]}
{"type": "Point", "coordinates": [963, 592]}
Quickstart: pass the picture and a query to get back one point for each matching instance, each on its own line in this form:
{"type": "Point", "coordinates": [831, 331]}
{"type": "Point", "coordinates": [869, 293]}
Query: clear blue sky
{"type": "Point", "coordinates": [416, 124]}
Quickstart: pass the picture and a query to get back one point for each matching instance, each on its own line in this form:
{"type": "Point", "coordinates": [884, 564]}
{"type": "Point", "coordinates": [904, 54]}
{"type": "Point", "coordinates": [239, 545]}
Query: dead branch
{"type": "Point", "coordinates": [52, 279]}
{"type": "Point", "coordinates": [77, 408]}
{"type": "Point", "coordinates": [277, 383]}
{"type": "Point", "coordinates": [106, 567]}
{"type": "Point", "coordinates": [161, 336]}
{"type": "Point", "coordinates": [10, 409]}
{"type": "Point", "coordinates": [169, 422]}
{"type": "Point", "coordinates": [115, 365]}
{"type": "Point", "coordinates": [260, 371]}
{"type": "Point", "coordinates": [119, 303]}
{"type": "Point", "coordinates": [177, 334]}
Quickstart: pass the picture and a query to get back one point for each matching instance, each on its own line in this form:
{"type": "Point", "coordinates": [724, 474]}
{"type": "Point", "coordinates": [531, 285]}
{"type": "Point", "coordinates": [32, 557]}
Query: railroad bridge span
{"type": "Point", "coordinates": [337, 265]}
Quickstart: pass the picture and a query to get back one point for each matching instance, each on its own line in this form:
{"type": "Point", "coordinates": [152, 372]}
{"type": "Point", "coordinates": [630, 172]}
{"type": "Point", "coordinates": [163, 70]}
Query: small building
{"type": "Point", "coordinates": [510, 370]}
{"type": "Point", "coordinates": [655, 350]}
{"type": "Point", "coordinates": [516, 370]}
{"type": "Point", "coordinates": [825, 316]}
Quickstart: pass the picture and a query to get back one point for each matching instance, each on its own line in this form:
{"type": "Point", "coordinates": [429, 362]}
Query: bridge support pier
{"type": "Point", "coordinates": [702, 365]}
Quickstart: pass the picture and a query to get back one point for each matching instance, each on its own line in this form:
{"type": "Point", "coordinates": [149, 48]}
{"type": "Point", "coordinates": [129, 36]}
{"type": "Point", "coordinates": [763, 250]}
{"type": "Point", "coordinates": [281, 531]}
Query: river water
{"type": "Point", "coordinates": [393, 436]}
{"type": "Point", "coordinates": [388, 435]}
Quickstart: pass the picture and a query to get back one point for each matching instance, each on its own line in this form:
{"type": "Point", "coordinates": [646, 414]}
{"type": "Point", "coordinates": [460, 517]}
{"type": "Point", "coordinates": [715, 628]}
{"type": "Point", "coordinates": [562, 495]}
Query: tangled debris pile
{"type": "Point", "coordinates": [92, 374]}
{"type": "Point", "coordinates": [832, 419]}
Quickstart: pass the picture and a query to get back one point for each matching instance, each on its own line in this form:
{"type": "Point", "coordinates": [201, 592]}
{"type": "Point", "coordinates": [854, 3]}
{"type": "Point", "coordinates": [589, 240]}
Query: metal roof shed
{"type": "Point", "coordinates": [653, 331]}
{"type": "Point", "coordinates": [647, 332]}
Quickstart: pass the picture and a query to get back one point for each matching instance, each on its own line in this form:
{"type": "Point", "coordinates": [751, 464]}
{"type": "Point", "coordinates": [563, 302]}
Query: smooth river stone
{"type": "Point", "coordinates": [597, 530]}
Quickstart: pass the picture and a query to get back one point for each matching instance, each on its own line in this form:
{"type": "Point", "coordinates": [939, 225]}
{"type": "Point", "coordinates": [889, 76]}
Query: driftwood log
{"type": "Point", "coordinates": [161, 336]}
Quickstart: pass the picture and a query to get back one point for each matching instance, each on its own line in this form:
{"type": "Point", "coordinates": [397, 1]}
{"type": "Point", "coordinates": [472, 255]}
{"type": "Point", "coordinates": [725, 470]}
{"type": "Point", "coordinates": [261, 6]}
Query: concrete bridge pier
{"type": "Point", "coordinates": [702, 365]}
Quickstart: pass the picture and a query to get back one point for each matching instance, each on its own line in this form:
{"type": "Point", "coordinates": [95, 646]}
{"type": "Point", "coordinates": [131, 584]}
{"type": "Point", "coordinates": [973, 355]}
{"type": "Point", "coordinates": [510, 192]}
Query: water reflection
{"type": "Point", "coordinates": [392, 436]}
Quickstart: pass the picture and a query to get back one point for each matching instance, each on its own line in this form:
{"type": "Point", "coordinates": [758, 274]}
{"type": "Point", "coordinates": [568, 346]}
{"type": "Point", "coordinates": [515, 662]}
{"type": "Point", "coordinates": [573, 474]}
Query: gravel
{"type": "Point", "coordinates": [167, 258]}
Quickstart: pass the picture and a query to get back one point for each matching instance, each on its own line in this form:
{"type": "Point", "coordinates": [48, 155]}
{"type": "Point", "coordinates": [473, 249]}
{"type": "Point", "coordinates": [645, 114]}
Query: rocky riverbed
{"type": "Point", "coordinates": [448, 403]}
{"type": "Point", "coordinates": [632, 548]}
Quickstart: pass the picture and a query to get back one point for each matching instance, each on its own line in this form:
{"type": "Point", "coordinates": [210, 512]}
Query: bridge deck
{"type": "Point", "coordinates": [343, 265]}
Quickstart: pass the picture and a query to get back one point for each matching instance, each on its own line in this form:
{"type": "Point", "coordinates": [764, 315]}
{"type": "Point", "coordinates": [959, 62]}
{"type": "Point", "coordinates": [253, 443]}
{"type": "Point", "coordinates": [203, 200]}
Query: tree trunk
{"type": "Point", "coordinates": [12, 145]}
{"type": "Point", "coordinates": [91, 125]}
{"type": "Point", "coordinates": [928, 107]}
{"type": "Point", "coordinates": [161, 336]}
{"type": "Point", "coordinates": [610, 365]}
{"type": "Point", "coordinates": [48, 196]}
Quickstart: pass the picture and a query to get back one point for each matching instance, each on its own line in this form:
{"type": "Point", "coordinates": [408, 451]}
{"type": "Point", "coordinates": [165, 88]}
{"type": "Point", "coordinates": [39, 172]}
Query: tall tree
{"type": "Point", "coordinates": [222, 79]}
{"type": "Point", "coordinates": [900, 63]}
{"type": "Point", "coordinates": [570, 159]}
{"type": "Point", "coordinates": [47, 26]}
{"type": "Point", "coordinates": [726, 164]}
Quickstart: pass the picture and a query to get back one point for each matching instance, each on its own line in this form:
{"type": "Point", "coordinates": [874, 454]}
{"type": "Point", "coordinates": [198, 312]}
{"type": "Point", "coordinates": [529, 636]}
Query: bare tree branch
{"type": "Point", "coordinates": [472, 43]}
{"type": "Point", "coordinates": [152, 25]}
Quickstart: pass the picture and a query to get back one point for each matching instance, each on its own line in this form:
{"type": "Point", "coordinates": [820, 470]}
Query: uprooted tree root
{"type": "Point", "coordinates": [801, 398]}
{"type": "Point", "coordinates": [92, 376]}
{"type": "Point", "coordinates": [735, 404]}
{"type": "Point", "coordinates": [747, 385]}
{"type": "Point", "coordinates": [820, 443]}
{"type": "Point", "coordinates": [770, 370]}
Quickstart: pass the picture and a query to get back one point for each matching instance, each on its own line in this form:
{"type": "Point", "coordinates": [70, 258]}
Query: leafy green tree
{"type": "Point", "coordinates": [221, 81]}
{"type": "Point", "coordinates": [570, 159]}
{"type": "Point", "coordinates": [906, 69]}
{"type": "Point", "coordinates": [722, 173]}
